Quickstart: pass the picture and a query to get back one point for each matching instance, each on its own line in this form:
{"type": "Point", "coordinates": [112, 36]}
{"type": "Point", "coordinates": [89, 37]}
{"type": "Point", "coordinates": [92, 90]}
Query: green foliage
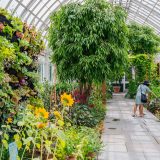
{"type": "Point", "coordinates": [5, 13]}
{"type": "Point", "coordinates": [24, 43]}
{"type": "Point", "coordinates": [84, 115]}
{"type": "Point", "coordinates": [6, 49]}
{"type": "Point", "coordinates": [156, 90]}
{"type": "Point", "coordinates": [132, 89]}
{"type": "Point", "coordinates": [32, 133]}
{"type": "Point", "coordinates": [8, 30]}
{"type": "Point", "coordinates": [6, 103]}
{"type": "Point", "coordinates": [144, 43]}
{"type": "Point", "coordinates": [65, 87]}
{"type": "Point", "coordinates": [21, 59]}
{"type": "Point", "coordinates": [143, 40]}
{"type": "Point", "coordinates": [142, 64]}
{"type": "Point", "coordinates": [18, 73]}
{"type": "Point", "coordinates": [36, 102]}
{"type": "Point", "coordinates": [81, 141]}
{"type": "Point", "coordinates": [89, 41]}
{"type": "Point", "coordinates": [92, 114]}
{"type": "Point", "coordinates": [17, 24]}
{"type": "Point", "coordinates": [46, 94]}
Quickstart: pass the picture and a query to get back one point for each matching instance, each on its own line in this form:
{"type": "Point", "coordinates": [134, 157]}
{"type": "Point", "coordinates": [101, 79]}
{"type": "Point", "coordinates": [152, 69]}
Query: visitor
{"type": "Point", "coordinates": [142, 88]}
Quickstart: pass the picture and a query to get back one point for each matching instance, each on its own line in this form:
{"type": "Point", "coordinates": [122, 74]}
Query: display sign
{"type": "Point", "coordinates": [13, 151]}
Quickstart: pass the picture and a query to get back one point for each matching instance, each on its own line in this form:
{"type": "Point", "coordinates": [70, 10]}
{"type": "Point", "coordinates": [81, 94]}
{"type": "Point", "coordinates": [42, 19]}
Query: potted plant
{"type": "Point", "coordinates": [116, 89]}
{"type": "Point", "coordinates": [117, 79]}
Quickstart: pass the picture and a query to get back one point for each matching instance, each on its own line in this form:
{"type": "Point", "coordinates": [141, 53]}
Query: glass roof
{"type": "Point", "coordinates": [37, 12]}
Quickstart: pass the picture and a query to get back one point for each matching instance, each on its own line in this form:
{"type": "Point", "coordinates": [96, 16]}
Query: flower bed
{"type": "Point", "coordinates": [38, 136]}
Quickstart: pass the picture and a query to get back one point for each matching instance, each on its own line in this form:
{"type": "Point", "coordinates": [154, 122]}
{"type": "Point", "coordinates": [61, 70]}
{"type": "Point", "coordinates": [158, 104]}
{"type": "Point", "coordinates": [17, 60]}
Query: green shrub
{"type": "Point", "coordinates": [84, 115]}
{"type": "Point", "coordinates": [79, 142]}
{"type": "Point", "coordinates": [65, 87]}
{"type": "Point", "coordinates": [132, 89]}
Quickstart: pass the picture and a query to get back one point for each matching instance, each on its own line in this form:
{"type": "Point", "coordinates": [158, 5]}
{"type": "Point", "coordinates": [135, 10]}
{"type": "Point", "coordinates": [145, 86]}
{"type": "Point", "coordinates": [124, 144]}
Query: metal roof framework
{"type": "Point", "coordinates": [37, 12]}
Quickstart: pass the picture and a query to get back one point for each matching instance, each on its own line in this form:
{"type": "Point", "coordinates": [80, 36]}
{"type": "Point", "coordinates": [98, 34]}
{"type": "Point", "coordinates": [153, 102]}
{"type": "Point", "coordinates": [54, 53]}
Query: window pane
{"type": "Point", "coordinates": [19, 10]}
{"type": "Point", "coordinates": [3, 3]}
{"type": "Point", "coordinates": [12, 5]}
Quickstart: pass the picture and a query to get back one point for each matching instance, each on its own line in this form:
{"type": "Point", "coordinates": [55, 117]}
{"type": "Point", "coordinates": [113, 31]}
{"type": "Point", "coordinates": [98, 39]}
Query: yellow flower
{"type": "Point", "coordinates": [67, 100]}
{"type": "Point", "coordinates": [41, 125]}
{"type": "Point", "coordinates": [9, 120]}
{"type": "Point", "coordinates": [41, 112]}
{"type": "Point", "coordinates": [57, 115]}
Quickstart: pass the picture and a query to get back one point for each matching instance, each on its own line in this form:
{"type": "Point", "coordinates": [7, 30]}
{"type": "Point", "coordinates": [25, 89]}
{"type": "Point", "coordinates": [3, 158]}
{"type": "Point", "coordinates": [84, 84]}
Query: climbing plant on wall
{"type": "Point", "coordinates": [89, 41]}
{"type": "Point", "coordinates": [144, 44]}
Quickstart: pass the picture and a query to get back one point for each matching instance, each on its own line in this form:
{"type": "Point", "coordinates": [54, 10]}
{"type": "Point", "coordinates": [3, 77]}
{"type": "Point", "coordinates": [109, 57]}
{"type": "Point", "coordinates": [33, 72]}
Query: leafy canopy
{"type": "Point", "coordinates": [143, 40]}
{"type": "Point", "coordinates": [89, 41]}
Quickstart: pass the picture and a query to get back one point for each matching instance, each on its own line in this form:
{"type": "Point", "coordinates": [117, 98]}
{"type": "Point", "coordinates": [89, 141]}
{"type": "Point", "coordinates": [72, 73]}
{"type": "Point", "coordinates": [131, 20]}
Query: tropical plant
{"type": "Point", "coordinates": [143, 40]}
{"type": "Point", "coordinates": [132, 89]}
{"type": "Point", "coordinates": [88, 46]}
{"type": "Point", "coordinates": [80, 142]}
{"type": "Point", "coordinates": [89, 116]}
{"type": "Point", "coordinates": [144, 44]}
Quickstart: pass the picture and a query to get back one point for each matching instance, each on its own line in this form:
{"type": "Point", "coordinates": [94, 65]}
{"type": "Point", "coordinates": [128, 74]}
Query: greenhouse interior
{"type": "Point", "coordinates": [79, 80]}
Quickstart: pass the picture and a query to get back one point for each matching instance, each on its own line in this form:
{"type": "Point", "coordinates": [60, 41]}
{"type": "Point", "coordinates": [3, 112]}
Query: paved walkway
{"type": "Point", "coordinates": [129, 138]}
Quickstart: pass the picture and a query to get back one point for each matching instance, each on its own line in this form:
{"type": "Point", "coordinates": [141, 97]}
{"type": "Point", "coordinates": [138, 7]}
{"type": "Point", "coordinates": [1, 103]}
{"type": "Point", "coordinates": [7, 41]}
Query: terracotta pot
{"type": "Point", "coordinates": [116, 89]}
{"type": "Point", "coordinates": [71, 157]}
{"type": "Point", "coordinates": [91, 154]}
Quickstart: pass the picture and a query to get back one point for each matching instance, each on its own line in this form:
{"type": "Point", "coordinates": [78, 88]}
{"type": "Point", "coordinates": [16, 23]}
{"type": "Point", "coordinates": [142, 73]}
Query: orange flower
{"type": "Point", "coordinates": [41, 112]}
{"type": "Point", "coordinates": [41, 125]}
{"type": "Point", "coordinates": [9, 120]}
{"type": "Point", "coordinates": [67, 100]}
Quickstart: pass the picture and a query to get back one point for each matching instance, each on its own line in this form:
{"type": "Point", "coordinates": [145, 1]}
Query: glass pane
{"type": "Point", "coordinates": [31, 16]}
{"type": "Point", "coordinates": [12, 5]}
{"type": "Point", "coordinates": [38, 7]}
{"type": "Point", "coordinates": [55, 6]}
{"type": "Point", "coordinates": [35, 4]}
{"type": "Point", "coordinates": [18, 11]}
{"type": "Point", "coordinates": [25, 2]}
{"type": "Point", "coordinates": [35, 21]}
{"type": "Point", "coordinates": [50, 3]}
{"type": "Point", "coordinates": [45, 16]}
{"type": "Point", "coordinates": [44, 10]}
{"type": "Point", "coordinates": [26, 16]}
{"type": "Point", "coordinates": [3, 3]}
{"type": "Point", "coordinates": [38, 25]}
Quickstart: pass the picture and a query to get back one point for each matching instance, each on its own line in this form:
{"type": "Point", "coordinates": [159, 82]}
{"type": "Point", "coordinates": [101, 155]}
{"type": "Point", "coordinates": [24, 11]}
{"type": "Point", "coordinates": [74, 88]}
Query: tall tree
{"type": "Point", "coordinates": [89, 41]}
{"type": "Point", "coordinates": [144, 44]}
{"type": "Point", "coordinates": [143, 39]}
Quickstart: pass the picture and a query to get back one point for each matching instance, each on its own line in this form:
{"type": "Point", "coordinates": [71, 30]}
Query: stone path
{"type": "Point", "coordinates": [129, 138]}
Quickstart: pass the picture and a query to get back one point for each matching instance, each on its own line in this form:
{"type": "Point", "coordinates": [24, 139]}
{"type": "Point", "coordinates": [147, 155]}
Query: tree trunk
{"type": "Point", "coordinates": [85, 90]}
{"type": "Point", "coordinates": [104, 92]}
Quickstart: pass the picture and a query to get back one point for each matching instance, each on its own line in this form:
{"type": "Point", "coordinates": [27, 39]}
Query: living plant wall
{"type": "Point", "coordinates": [20, 46]}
